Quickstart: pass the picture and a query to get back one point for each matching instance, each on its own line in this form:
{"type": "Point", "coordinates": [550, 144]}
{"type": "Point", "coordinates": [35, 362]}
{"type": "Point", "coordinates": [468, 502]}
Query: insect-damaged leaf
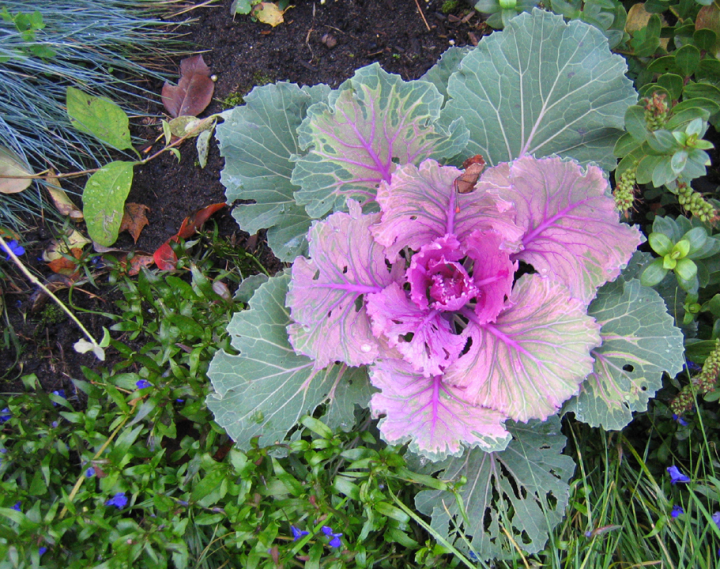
{"type": "Point", "coordinates": [523, 490]}
{"type": "Point", "coordinates": [193, 92]}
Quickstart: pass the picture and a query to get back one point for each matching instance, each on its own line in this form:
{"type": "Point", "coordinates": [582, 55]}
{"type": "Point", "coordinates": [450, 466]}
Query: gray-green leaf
{"type": "Point", "coordinates": [640, 342]}
{"type": "Point", "coordinates": [542, 87]}
{"type": "Point", "coordinates": [266, 389]}
{"type": "Point", "coordinates": [257, 141]}
{"type": "Point", "coordinates": [523, 489]}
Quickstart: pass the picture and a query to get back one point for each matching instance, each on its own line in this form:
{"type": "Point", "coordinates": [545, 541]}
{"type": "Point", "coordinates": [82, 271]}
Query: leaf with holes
{"type": "Point", "coordinates": [257, 141]}
{"type": "Point", "coordinates": [542, 87]}
{"type": "Point", "coordinates": [640, 343]}
{"type": "Point", "coordinates": [373, 122]}
{"type": "Point", "coordinates": [267, 388]}
{"type": "Point", "coordinates": [523, 489]}
{"type": "Point", "coordinates": [533, 358]}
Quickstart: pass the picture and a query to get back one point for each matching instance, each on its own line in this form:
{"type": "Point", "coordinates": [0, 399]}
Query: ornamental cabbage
{"type": "Point", "coordinates": [469, 309]}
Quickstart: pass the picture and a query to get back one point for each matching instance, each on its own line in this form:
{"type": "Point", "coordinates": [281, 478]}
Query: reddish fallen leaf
{"type": "Point", "coordinates": [138, 262]}
{"type": "Point", "coordinates": [193, 92]}
{"type": "Point", "coordinates": [193, 222]}
{"type": "Point", "coordinates": [134, 219]}
{"type": "Point", "coordinates": [165, 257]}
{"type": "Point", "coordinates": [65, 266]}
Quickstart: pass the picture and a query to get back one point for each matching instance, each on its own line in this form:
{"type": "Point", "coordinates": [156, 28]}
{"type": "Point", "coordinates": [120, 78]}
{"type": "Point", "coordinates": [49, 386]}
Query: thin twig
{"type": "Point", "coordinates": [417, 3]}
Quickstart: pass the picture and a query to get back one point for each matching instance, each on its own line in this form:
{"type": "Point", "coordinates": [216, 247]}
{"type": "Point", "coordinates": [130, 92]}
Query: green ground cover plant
{"type": "Point", "coordinates": [243, 430]}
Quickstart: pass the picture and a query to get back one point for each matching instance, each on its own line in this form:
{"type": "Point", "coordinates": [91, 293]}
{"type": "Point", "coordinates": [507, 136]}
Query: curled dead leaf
{"type": "Point", "coordinates": [65, 266]}
{"type": "Point", "coordinates": [63, 203]}
{"type": "Point", "coordinates": [57, 247]}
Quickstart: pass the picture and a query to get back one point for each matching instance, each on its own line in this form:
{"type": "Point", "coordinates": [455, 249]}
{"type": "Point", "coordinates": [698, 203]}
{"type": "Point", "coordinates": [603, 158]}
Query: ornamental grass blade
{"type": "Point", "coordinates": [542, 87]}
{"type": "Point", "coordinates": [522, 489]}
{"type": "Point", "coordinates": [257, 141]}
{"type": "Point", "coordinates": [193, 92]}
{"type": "Point", "coordinates": [373, 122]}
{"type": "Point", "coordinates": [265, 390]}
{"type": "Point", "coordinates": [640, 343]}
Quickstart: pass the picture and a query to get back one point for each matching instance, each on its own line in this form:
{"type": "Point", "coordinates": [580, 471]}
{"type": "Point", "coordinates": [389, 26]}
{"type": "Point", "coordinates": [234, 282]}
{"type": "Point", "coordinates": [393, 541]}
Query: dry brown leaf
{"type": "Point", "coordinates": [134, 219]}
{"type": "Point", "coordinates": [59, 246]}
{"type": "Point", "coordinates": [65, 266]}
{"type": "Point", "coordinates": [193, 92]}
{"type": "Point", "coordinates": [63, 203]}
{"type": "Point", "coordinates": [138, 262]}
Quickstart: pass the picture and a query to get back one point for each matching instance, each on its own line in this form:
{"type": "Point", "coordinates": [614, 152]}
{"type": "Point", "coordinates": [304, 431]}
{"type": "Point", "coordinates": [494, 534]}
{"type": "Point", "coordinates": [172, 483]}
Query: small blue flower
{"type": "Point", "coordinates": [297, 533]}
{"type": "Point", "coordinates": [42, 551]}
{"type": "Point", "coordinates": [54, 423]}
{"type": "Point", "coordinates": [335, 541]}
{"type": "Point", "coordinates": [180, 400]}
{"type": "Point", "coordinates": [182, 502]}
{"type": "Point", "coordinates": [90, 472]}
{"type": "Point", "coordinates": [59, 393]}
{"type": "Point", "coordinates": [119, 500]}
{"type": "Point", "coordinates": [716, 519]}
{"type": "Point", "coordinates": [143, 384]}
{"type": "Point", "coordinates": [15, 247]}
{"type": "Point", "coordinates": [677, 511]}
{"type": "Point", "coordinates": [676, 476]}
{"type": "Point", "coordinates": [16, 507]}
{"type": "Point", "coordinates": [5, 415]}
{"type": "Point", "coordinates": [680, 420]}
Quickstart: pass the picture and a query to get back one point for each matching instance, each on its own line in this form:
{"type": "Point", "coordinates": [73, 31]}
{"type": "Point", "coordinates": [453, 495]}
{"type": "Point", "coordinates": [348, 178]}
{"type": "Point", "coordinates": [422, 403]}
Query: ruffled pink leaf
{"type": "Point", "coordinates": [324, 298]}
{"type": "Point", "coordinates": [433, 346]}
{"type": "Point", "coordinates": [431, 415]}
{"type": "Point", "coordinates": [533, 357]}
{"type": "Point", "coordinates": [572, 230]}
{"type": "Point", "coordinates": [493, 273]}
{"type": "Point", "coordinates": [421, 204]}
{"type": "Point", "coordinates": [436, 277]}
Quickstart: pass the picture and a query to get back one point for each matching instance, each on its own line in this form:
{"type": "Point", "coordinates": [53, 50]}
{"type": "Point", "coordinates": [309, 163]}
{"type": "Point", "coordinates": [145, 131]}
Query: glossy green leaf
{"type": "Point", "coordinates": [104, 201]}
{"type": "Point", "coordinates": [672, 83]}
{"type": "Point", "coordinates": [529, 90]}
{"type": "Point", "coordinates": [635, 123]}
{"type": "Point", "coordinates": [100, 117]}
{"type": "Point", "coordinates": [687, 59]}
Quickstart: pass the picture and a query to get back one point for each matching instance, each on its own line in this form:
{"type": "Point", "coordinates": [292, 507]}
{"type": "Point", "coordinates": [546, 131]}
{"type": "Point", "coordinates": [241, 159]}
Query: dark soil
{"type": "Point", "coordinates": [318, 43]}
